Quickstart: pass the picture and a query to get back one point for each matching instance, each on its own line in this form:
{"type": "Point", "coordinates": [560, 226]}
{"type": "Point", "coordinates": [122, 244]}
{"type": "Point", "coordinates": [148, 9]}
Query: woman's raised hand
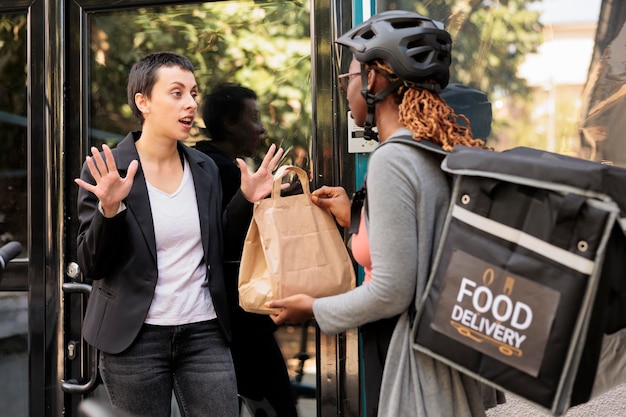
{"type": "Point", "coordinates": [110, 187]}
{"type": "Point", "coordinates": [259, 185]}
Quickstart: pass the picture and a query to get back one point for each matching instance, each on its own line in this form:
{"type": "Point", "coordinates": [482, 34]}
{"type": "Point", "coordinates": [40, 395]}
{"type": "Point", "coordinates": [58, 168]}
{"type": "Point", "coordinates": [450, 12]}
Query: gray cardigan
{"type": "Point", "coordinates": [407, 201]}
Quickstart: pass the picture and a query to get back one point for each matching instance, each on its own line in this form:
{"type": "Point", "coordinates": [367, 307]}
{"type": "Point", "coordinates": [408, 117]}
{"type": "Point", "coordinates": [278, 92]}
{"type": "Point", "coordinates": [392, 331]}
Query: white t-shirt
{"type": "Point", "coordinates": [179, 297]}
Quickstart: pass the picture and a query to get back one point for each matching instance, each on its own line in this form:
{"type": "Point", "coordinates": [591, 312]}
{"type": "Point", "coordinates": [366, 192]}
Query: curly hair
{"type": "Point", "coordinates": [427, 115]}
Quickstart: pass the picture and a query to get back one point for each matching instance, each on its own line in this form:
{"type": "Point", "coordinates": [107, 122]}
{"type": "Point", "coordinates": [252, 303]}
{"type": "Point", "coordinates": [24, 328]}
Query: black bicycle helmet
{"type": "Point", "coordinates": [472, 103]}
{"type": "Point", "coordinates": [417, 48]}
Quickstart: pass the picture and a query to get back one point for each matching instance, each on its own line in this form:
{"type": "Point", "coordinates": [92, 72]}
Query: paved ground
{"type": "Point", "coordinates": [610, 404]}
{"type": "Point", "coordinates": [292, 340]}
{"type": "Point", "coordinates": [306, 408]}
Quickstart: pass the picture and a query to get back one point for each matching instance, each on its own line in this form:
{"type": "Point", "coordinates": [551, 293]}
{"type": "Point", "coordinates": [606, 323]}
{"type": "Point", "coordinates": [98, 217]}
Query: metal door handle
{"type": "Point", "coordinates": [72, 386]}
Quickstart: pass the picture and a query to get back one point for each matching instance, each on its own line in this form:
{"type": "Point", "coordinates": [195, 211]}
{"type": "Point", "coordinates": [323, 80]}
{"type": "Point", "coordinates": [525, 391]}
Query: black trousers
{"type": "Point", "coordinates": [260, 366]}
{"type": "Point", "coordinates": [375, 339]}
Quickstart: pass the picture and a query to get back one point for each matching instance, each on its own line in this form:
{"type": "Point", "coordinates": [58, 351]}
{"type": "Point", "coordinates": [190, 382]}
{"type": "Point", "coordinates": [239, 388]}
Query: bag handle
{"type": "Point", "coordinates": [284, 170]}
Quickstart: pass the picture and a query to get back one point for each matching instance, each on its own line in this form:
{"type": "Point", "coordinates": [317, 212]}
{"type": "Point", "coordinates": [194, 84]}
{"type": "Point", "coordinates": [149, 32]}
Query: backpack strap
{"type": "Point", "coordinates": [359, 198]}
{"type": "Point", "coordinates": [357, 202]}
{"type": "Point", "coordinates": [436, 151]}
{"type": "Point", "coordinates": [422, 144]}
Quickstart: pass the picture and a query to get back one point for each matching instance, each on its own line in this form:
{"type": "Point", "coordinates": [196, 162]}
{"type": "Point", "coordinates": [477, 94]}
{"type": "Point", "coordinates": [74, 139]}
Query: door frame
{"type": "Point", "coordinates": [40, 275]}
{"type": "Point", "coordinates": [57, 140]}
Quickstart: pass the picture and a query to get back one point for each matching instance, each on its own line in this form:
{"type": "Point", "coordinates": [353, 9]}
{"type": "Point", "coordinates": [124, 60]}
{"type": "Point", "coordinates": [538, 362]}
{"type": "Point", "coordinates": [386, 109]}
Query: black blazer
{"type": "Point", "coordinates": [119, 253]}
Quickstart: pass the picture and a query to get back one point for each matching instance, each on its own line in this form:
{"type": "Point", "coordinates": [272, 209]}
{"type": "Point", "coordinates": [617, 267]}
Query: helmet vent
{"type": "Point", "coordinates": [421, 58]}
{"type": "Point", "coordinates": [415, 43]}
{"type": "Point", "coordinates": [368, 35]}
{"type": "Point", "coordinates": [403, 24]}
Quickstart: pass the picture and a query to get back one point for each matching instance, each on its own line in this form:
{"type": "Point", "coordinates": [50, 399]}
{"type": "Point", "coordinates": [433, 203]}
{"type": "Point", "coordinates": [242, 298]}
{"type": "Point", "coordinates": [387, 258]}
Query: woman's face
{"type": "Point", "coordinates": [356, 102]}
{"type": "Point", "coordinates": [171, 107]}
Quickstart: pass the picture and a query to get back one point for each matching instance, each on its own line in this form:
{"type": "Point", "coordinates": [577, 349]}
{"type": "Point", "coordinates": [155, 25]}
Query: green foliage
{"type": "Point", "coordinates": [264, 46]}
{"type": "Point", "coordinates": [13, 101]}
{"type": "Point", "coordinates": [491, 39]}
{"type": "Point", "coordinates": [13, 130]}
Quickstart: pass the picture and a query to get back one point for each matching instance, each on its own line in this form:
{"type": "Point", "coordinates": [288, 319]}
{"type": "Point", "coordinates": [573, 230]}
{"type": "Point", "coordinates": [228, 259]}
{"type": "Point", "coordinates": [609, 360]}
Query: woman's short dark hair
{"type": "Point", "coordinates": [224, 103]}
{"type": "Point", "coordinates": [142, 76]}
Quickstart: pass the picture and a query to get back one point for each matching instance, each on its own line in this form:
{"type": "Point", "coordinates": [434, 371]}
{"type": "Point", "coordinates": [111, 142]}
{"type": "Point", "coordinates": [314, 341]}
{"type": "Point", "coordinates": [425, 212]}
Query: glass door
{"type": "Point", "coordinates": [30, 213]}
{"type": "Point", "coordinates": [14, 222]}
{"type": "Point", "coordinates": [279, 49]}
{"type": "Point", "coordinates": [63, 66]}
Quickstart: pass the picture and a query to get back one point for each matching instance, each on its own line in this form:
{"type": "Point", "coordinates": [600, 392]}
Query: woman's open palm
{"type": "Point", "coordinates": [110, 187]}
{"type": "Point", "coordinates": [259, 185]}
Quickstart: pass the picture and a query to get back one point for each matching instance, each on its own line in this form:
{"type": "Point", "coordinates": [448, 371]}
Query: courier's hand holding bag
{"type": "Point", "coordinates": [292, 247]}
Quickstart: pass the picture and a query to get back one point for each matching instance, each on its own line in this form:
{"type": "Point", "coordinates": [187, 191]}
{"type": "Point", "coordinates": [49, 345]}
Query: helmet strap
{"type": "Point", "coordinates": [371, 100]}
{"type": "Point", "coordinates": [435, 88]}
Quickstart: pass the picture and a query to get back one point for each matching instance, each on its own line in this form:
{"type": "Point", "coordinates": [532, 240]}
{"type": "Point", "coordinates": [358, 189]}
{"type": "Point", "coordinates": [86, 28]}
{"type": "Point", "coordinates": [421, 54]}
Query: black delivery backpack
{"type": "Point", "coordinates": [528, 288]}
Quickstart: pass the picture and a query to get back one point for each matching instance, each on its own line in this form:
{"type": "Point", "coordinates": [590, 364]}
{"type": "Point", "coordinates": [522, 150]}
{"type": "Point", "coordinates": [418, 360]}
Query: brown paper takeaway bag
{"type": "Point", "coordinates": [292, 247]}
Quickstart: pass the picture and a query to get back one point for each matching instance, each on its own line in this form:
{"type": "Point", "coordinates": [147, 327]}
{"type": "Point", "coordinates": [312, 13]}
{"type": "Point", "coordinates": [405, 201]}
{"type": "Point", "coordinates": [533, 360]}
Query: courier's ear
{"type": "Point", "coordinates": [376, 82]}
{"type": "Point", "coordinates": [371, 80]}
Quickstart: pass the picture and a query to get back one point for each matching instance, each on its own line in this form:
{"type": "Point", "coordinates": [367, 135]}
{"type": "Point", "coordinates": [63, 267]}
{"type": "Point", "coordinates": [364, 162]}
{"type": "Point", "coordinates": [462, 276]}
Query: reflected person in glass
{"type": "Point", "coordinates": [233, 123]}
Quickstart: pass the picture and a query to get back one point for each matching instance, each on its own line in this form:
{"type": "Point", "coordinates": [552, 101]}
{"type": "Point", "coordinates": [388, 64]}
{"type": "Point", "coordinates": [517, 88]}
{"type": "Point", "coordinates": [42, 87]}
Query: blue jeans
{"type": "Point", "coordinates": [193, 360]}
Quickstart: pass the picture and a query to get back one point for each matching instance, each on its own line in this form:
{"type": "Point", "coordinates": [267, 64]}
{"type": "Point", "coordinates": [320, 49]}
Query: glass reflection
{"type": "Point", "coordinates": [13, 131]}
{"type": "Point", "coordinates": [265, 46]}
{"type": "Point", "coordinates": [13, 211]}
{"type": "Point", "coordinates": [604, 124]}
{"type": "Point", "coordinates": [553, 70]}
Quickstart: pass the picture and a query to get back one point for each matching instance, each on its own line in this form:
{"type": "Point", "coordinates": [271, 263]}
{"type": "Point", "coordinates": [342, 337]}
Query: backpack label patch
{"type": "Point", "coordinates": [502, 315]}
